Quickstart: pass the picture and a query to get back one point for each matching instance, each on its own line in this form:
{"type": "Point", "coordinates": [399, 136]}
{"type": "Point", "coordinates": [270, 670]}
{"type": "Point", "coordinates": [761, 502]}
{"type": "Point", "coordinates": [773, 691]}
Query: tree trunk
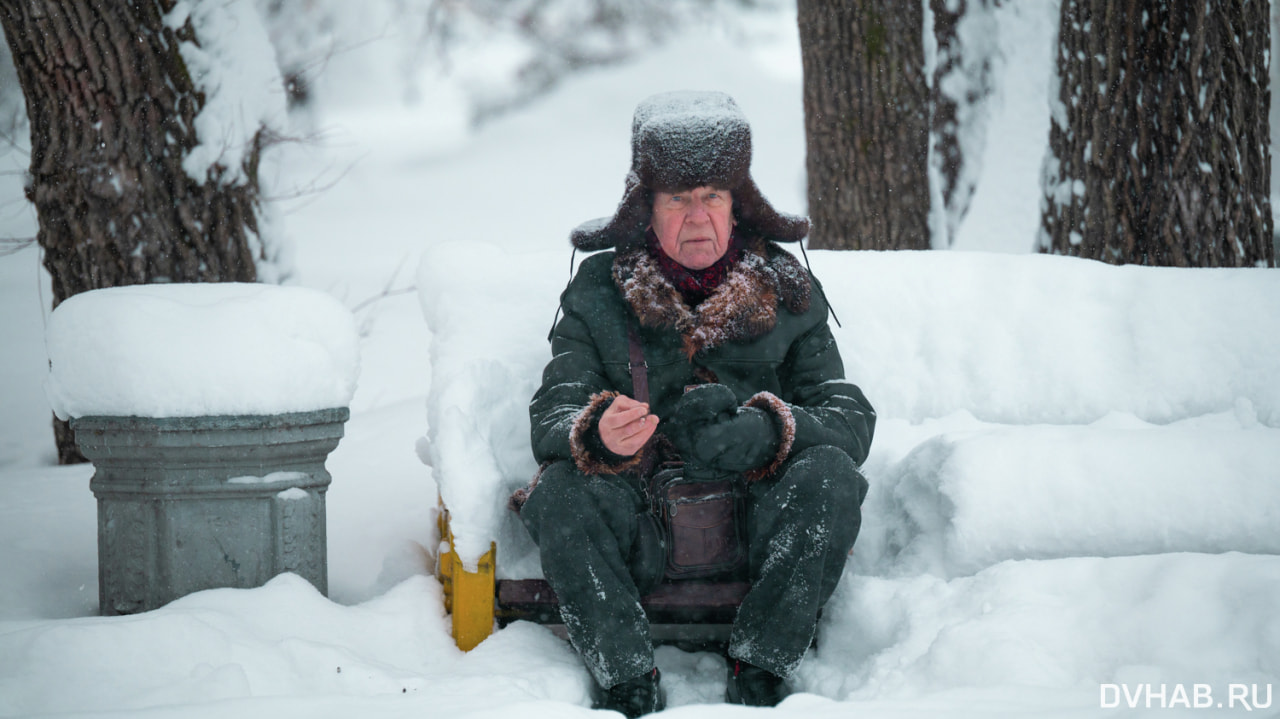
{"type": "Point", "coordinates": [866, 123]}
{"type": "Point", "coordinates": [112, 111]}
{"type": "Point", "coordinates": [1159, 145]}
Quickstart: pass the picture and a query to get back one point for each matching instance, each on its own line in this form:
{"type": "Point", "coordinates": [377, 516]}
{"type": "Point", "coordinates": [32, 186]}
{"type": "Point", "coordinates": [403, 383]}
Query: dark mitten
{"type": "Point", "coordinates": [746, 441]}
{"type": "Point", "coordinates": [697, 408]}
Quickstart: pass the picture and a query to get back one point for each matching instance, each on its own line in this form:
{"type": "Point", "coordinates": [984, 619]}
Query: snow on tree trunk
{"type": "Point", "coordinates": [1159, 143]}
{"type": "Point", "coordinates": [866, 123]}
{"type": "Point", "coordinates": [114, 115]}
{"type": "Point", "coordinates": [962, 84]}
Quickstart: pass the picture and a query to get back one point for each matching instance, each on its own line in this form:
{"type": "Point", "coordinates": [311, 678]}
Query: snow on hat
{"type": "Point", "coordinates": [679, 141]}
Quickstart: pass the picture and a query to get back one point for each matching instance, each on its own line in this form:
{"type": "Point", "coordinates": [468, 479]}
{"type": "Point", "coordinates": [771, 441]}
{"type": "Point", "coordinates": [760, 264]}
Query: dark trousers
{"type": "Point", "coordinates": [801, 524]}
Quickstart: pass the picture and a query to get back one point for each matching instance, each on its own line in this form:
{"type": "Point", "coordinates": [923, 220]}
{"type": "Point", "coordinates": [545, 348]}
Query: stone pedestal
{"type": "Point", "coordinates": [193, 503]}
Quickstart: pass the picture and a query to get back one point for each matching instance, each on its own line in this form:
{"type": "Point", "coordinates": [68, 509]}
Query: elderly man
{"type": "Point", "coordinates": [744, 380]}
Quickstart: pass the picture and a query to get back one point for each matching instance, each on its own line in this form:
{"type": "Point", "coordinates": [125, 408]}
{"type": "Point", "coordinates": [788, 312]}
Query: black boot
{"type": "Point", "coordinates": [634, 697]}
{"type": "Point", "coordinates": [750, 685]}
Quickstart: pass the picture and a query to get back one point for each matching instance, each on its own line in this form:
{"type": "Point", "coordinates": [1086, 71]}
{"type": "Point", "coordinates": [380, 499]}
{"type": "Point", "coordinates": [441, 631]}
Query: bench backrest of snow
{"type": "Point", "coordinates": [963, 341]}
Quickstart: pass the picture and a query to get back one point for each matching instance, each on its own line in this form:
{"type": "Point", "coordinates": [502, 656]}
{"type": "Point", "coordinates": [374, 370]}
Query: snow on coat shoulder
{"type": "Point", "coordinates": [186, 350]}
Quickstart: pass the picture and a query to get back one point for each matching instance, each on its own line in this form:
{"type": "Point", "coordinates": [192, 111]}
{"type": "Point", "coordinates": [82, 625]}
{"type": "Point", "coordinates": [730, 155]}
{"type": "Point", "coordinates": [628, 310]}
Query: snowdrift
{"type": "Point", "coordinates": [1065, 624]}
{"type": "Point", "coordinates": [222, 649]}
{"type": "Point", "coordinates": [1030, 407]}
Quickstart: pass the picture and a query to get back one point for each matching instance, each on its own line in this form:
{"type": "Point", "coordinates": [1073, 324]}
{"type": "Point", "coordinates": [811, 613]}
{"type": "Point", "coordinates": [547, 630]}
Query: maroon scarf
{"type": "Point", "coordinates": [694, 285]}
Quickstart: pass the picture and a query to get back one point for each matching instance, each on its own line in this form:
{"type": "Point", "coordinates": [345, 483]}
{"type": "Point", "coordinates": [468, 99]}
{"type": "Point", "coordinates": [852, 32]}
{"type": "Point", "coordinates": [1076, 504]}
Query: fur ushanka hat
{"type": "Point", "coordinates": [679, 141]}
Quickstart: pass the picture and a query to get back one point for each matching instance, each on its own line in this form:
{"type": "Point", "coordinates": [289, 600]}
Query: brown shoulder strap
{"type": "Point", "coordinates": [639, 369]}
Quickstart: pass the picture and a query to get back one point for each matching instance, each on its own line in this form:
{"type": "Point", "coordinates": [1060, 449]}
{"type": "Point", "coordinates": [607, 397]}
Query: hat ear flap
{"type": "Point", "coordinates": [625, 228]}
{"type": "Point", "coordinates": [756, 216]}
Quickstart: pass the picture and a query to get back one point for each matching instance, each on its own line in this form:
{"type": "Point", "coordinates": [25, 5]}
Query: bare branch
{"type": "Point", "coordinates": [14, 245]}
{"type": "Point", "coordinates": [386, 289]}
{"type": "Point", "coordinates": [385, 294]}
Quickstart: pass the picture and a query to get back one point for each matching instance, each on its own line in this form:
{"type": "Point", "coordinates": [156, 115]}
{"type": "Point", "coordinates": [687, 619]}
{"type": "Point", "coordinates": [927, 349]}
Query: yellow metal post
{"type": "Point", "coordinates": [468, 595]}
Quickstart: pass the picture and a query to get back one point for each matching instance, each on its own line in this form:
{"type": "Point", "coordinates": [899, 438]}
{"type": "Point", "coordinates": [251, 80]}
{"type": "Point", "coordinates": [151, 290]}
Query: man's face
{"type": "Point", "coordinates": [693, 226]}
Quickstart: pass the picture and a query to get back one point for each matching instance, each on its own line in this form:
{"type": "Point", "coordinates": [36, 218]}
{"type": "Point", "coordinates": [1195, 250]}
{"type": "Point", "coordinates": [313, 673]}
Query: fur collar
{"type": "Point", "coordinates": [742, 308]}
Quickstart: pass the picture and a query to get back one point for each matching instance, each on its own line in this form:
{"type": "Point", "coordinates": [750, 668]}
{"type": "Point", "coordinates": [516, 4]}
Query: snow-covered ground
{"type": "Point", "coordinates": [1075, 486]}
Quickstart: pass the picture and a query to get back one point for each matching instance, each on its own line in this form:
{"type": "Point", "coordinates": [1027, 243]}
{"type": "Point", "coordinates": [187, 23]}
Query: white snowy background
{"type": "Point", "coordinates": [1075, 479]}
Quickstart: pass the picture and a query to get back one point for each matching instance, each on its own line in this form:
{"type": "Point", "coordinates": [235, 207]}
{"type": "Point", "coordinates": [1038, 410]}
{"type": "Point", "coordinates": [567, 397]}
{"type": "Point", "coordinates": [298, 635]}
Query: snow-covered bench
{"type": "Point", "coordinates": [1029, 406]}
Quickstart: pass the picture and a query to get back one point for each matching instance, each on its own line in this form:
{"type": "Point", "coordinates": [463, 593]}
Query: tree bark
{"type": "Point", "coordinates": [866, 123]}
{"type": "Point", "coordinates": [112, 110]}
{"type": "Point", "coordinates": [1159, 151]}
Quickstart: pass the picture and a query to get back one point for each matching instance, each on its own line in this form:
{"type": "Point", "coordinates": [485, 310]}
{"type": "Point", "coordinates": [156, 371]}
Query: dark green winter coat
{"type": "Point", "coordinates": [763, 333]}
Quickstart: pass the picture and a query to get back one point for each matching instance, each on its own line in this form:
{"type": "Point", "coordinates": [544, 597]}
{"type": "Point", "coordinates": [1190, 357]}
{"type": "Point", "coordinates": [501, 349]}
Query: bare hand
{"type": "Point", "coordinates": [626, 425]}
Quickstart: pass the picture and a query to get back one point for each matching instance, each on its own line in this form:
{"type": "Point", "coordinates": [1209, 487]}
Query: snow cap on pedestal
{"type": "Point", "coordinates": [189, 350]}
{"type": "Point", "coordinates": [679, 141]}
